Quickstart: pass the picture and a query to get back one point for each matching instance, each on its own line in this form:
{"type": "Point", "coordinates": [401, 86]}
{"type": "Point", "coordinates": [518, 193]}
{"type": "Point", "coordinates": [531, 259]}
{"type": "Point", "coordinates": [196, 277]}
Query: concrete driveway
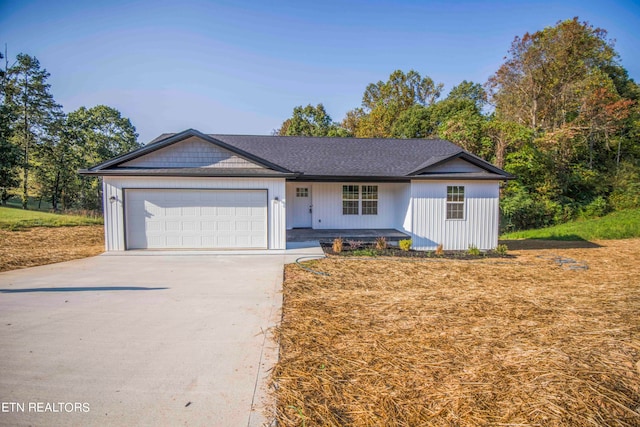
{"type": "Point", "coordinates": [139, 340]}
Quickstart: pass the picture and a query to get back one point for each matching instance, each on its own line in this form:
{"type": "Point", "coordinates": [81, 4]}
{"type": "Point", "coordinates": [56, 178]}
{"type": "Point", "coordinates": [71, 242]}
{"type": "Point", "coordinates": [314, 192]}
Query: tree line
{"type": "Point", "coordinates": [561, 113]}
{"type": "Point", "coordinates": [42, 147]}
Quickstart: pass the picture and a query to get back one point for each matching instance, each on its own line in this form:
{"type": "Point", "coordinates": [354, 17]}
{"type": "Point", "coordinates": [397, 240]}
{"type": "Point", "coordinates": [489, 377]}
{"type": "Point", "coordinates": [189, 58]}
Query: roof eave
{"type": "Point", "coordinates": [182, 173]}
{"type": "Point", "coordinates": [349, 178]}
{"type": "Point", "coordinates": [463, 177]}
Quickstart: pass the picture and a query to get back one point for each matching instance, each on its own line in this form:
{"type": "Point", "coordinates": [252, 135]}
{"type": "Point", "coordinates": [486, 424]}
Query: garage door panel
{"type": "Point", "coordinates": [190, 226]}
{"type": "Point", "coordinates": [208, 211]}
{"type": "Point", "coordinates": [196, 219]}
{"type": "Point", "coordinates": [208, 226]}
{"type": "Point", "coordinates": [191, 211]}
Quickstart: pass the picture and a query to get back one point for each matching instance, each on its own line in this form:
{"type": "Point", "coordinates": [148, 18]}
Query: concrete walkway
{"type": "Point", "coordinates": [139, 340]}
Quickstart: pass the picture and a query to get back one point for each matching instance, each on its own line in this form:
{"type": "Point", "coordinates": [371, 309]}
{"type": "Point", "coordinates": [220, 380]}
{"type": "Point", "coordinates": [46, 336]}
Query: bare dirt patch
{"type": "Point", "coordinates": [45, 245]}
{"type": "Point", "coordinates": [521, 341]}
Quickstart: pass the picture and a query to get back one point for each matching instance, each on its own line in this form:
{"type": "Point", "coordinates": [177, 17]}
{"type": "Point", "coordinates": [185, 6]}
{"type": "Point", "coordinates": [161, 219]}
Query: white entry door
{"type": "Point", "coordinates": [195, 219]}
{"type": "Point", "coordinates": [302, 207]}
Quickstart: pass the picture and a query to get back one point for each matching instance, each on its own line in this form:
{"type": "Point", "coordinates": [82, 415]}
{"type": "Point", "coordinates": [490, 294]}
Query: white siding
{"type": "Point", "coordinates": [393, 201]}
{"type": "Point", "coordinates": [291, 193]}
{"type": "Point", "coordinates": [456, 166]}
{"type": "Point", "coordinates": [431, 228]}
{"type": "Point", "coordinates": [114, 212]}
{"type": "Point", "coordinates": [403, 207]}
{"type": "Point", "coordinates": [191, 153]}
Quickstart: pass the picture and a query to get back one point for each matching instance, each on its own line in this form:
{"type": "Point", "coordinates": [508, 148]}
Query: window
{"type": "Point", "coordinates": [356, 199]}
{"type": "Point", "coordinates": [302, 192]}
{"type": "Point", "coordinates": [369, 200]}
{"type": "Point", "coordinates": [455, 202]}
{"type": "Point", "coordinates": [350, 196]}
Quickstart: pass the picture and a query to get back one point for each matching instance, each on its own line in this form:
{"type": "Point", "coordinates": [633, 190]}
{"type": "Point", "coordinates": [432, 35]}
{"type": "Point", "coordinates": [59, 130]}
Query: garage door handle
{"type": "Point", "coordinates": [310, 209]}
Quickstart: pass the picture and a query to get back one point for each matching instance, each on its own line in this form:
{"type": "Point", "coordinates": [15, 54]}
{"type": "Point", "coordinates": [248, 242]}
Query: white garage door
{"type": "Point", "coordinates": [195, 219]}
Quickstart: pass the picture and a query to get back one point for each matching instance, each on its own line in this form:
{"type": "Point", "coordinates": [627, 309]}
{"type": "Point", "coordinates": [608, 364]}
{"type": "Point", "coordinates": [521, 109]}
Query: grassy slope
{"type": "Point", "coordinates": [617, 225]}
{"type": "Point", "coordinates": [16, 219]}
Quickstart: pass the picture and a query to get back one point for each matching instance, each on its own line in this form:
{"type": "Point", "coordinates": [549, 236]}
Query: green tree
{"type": "Point", "coordinates": [541, 83]}
{"type": "Point", "coordinates": [384, 102]}
{"type": "Point", "coordinates": [9, 156]}
{"type": "Point", "coordinates": [506, 137]}
{"type": "Point", "coordinates": [403, 90]}
{"type": "Point", "coordinates": [28, 96]}
{"type": "Point", "coordinates": [55, 170]}
{"type": "Point", "coordinates": [562, 90]}
{"type": "Point", "coordinates": [466, 128]}
{"type": "Point", "coordinates": [415, 122]}
{"type": "Point", "coordinates": [458, 119]}
{"type": "Point", "coordinates": [310, 121]}
{"type": "Point", "coordinates": [9, 152]}
{"type": "Point", "coordinates": [95, 134]}
{"type": "Point", "coordinates": [474, 92]}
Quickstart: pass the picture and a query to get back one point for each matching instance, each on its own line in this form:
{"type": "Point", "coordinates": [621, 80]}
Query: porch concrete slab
{"type": "Point", "coordinates": [140, 340]}
{"type": "Point", "coordinates": [308, 234]}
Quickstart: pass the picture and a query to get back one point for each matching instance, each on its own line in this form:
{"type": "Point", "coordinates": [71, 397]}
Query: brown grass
{"type": "Point", "coordinates": [44, 245]}
{"type": "Point", "coordinates": [463, 343]}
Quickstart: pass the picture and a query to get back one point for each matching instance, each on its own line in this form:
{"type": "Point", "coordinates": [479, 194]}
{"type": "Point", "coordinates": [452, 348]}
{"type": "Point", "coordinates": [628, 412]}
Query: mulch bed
{"type": "Point", "coordinates": [369, 249]}
{"type": "Point", "coordinates": [408, 342]}
{"type": "Point", "coordinates": [48, 245]}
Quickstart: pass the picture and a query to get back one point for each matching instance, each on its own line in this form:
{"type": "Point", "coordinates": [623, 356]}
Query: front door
{"type": "Point", "coordinates": [302, 207]}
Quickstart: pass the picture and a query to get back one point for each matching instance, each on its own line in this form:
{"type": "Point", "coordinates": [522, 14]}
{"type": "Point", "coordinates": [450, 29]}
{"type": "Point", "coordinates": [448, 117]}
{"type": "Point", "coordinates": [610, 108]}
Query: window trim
{"type": "Point", "coordinates": [348, 207]}
{"type": "Point", "coordinates": [368, 194]}
{"type": "Point", "coordinates": [371, 190]}
{"type": "Point", "coordinates": [455, 198]}
{"type": "Point", "coordinates": [302, 191]}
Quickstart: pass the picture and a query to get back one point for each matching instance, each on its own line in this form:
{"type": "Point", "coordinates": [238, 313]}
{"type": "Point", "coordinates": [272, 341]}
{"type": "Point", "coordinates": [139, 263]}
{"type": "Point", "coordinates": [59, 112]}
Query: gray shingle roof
{"type": "Point", "coordinates": [316, 156]}
{"type": "Point", "coordinates": [320, 157]}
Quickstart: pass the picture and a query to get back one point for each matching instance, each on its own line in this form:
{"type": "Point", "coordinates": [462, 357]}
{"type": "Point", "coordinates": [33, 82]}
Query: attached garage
{"type": "Point", "coordinates": [195, 219]}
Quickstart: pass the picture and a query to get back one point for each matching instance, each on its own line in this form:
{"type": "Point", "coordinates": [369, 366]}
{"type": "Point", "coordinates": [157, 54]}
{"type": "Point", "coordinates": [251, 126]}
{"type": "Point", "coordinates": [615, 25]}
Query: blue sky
{"type": "Point", "coordinates": [241, 67]}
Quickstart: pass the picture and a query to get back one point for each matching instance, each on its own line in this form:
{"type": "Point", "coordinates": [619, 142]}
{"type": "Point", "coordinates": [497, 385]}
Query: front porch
{"type": "Point", "coordinates": [364, 235]}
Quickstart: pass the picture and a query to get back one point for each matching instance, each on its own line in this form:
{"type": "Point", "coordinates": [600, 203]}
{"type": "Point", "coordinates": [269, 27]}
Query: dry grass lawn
{"type": "Point", "coordinates": [513, 342]}
{"type": "Point", "coordinates": [45, 245]}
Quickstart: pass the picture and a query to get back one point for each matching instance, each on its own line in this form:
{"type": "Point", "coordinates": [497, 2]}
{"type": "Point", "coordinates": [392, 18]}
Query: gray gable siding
{"type": "Point", "coordinates": [191, 153]}
{"type": "Point", "coordinates": [455, 166]}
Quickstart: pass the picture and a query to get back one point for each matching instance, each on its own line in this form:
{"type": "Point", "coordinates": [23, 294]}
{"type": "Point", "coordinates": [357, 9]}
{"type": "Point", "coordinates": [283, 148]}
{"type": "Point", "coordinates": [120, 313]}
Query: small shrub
{"type": "Point", "coordinates": [596, 209]}
{"type": "Point", "coordinates": [381, 243]}
{"type": "Point", "coordinates": [364, 252]}
{"type": "Point", "coordinates": [405, 245]}
{"type": "Point", "coordinates": [502, 250]}
{"type": "Point", "coordinates": [620, 200]}
{"type": "Point", "coordinates": [440, 250]}
{"type": "Point", "coordinates": [337, 245]}
{"type": "Point", "coordinates": [355, 244]}
{"type": "Point", "coordinates": [473, 250]}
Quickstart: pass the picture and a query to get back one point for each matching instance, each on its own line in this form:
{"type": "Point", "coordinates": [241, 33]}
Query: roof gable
{"type": "Point", "coordinates": [455, 165]}
{"type": "Point", "coordinates": [218, 154]}
{"type": "Point", "coordinates": [462, 163]}
{"type": "Point", "coordinates": [192, 152]}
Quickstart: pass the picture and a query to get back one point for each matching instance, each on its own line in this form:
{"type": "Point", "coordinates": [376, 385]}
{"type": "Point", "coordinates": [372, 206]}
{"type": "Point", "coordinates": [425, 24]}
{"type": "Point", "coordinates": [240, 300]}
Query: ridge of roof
{"type": "Point", "coordinates": [160, 138]}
